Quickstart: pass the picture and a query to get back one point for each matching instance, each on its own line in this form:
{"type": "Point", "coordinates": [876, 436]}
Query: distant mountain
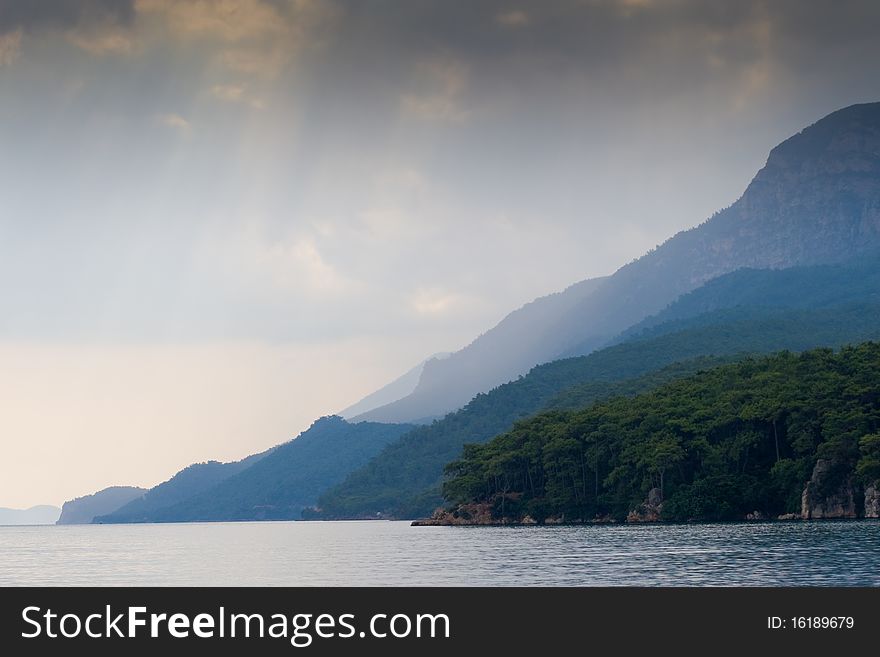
{"type": "Point", "coordinates": [36, 515]}
{"type": "Point", "coordinates": [511, 348]}
{"type": "Point", "coordinates": [404, 479]}
{"type": "Point", "coordinates": [819, 286]}
{"type": "Point", "coordinates": [817, 200]}
{"type": "Point", "coordinates": [397, 389]}
{"type": "Point", "coordinates": [82, 510]}
{"type": "Point", "coordinates": [285, 481]}
{"type": "Point", "coordinates": [190, 481]}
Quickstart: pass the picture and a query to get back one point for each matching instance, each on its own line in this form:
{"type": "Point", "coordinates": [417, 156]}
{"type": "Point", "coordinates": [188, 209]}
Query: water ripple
{"type": "Point", "coordinates": [395, 554]}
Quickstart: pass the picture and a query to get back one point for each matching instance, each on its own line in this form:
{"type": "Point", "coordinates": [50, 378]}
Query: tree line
{"type": "Point", "coordinates": [718, 445]}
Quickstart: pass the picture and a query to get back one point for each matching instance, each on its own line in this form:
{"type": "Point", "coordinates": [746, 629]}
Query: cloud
{"type": "Point", "coordinates": [233, 93]}
{"type": "Point", "coordinates": [283, 265]}
{"type": "Point", "coordinates": [225, 20]}
{"type": "Point", "coordinates": [95, 26]}
{"type": "Point", "coordinates": [229, 92]}
{"type": "Point", "coordinates": [585, 106]}
{"type": "Point", "coordinates": [113, 41]}
{"type": "Point", "coordinates": [260, 61]}
{"type": "Point", "coordinates": [434, 302]}
{"type": "Point", "coordinates": [10, 46]}
{"type": "Point", "coordinates": [175, 121]}
{"type": "Point", "coordinates": [639, 4]}
{"type": "Point", "coordinates": [516, 18]}
{"type": "Point", "coordinates": [441, 83]}
{"type": "Point", "coordinates": [62, 14]}
{"type": "Point", "coordinates": [299, 266]}
{"type": "Point", "coordinates": [256, 37]}
{"type": "Point", "coordinates": [432, 108]}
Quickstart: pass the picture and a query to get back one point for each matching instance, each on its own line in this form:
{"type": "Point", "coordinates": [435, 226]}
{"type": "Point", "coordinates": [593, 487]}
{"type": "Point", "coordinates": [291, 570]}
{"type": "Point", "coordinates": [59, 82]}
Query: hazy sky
{"type": "Point", "coordinates": [220, 220]}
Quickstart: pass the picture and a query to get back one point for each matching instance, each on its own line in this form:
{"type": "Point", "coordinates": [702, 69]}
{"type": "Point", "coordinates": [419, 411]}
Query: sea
{"type": "Point", "coordinates": [386, 553]}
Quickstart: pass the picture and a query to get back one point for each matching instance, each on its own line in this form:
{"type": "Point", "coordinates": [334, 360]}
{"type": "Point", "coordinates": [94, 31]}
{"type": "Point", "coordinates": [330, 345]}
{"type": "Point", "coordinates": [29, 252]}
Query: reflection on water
{"type": "Point", "coordinates": [393, 553]}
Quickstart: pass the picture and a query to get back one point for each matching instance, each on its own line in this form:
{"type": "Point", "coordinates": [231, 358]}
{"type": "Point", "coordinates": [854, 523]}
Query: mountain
{"type": "Point", "coordinates": [404, 480]}
{"type": "Point", "coordinates": [190, 481]}
{"type": "Point", "coordinates": [397, 389]}
{"type": "Point", "coordinates": [82, 510]}
{"type": "Point", "coordinates": [281, 484]}
{"type": "Point", "coordinates": [36, 515]}
{"type": "Point", "coordinates": [787, 434]}
{"type": "Point", "coordinates": [817, 200]}
{"type": "Point", "coordinates": [509, 349]}
{"type": "Point", "coordinates": [819, 286]}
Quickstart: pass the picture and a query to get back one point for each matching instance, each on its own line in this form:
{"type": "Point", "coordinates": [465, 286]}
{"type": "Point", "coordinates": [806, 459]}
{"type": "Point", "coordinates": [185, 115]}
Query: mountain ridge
{"type": "Point", "coordinates": [826, 176]}
{"type": "Point", "coordinates": [504, 336]}
{"type": "Point", "coordinates": [390, 392]}
{"type": "Point", "coordinates": [82, 510]}
{"type": "Point", "coordinates": [41, 514]}
{"type": "Point", "coordinates": [279, 484]}
{"type": "Point", "coordinates": [191, 480]}
{"type": "Point", "coordinates": [404, 480]}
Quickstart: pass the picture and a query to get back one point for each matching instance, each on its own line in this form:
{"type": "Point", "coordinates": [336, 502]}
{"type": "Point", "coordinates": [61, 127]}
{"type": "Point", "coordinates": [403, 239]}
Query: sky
{"type": "Point", "coordinates": [222, 220]}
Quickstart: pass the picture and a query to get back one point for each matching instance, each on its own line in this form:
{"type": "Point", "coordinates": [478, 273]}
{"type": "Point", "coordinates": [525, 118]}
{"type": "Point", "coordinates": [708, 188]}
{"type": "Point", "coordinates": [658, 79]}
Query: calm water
{"type": "Point", "coordinates": [393, 553]}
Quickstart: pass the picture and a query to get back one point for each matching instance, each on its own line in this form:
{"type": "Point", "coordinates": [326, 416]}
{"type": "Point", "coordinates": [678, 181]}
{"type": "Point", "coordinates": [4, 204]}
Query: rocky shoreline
{"type": "Point", "coordinates": [447, 519]}
{"type": "Point", "coordinates": [817, 503]}
{"type": "Point", "coordinates": [432, 522]}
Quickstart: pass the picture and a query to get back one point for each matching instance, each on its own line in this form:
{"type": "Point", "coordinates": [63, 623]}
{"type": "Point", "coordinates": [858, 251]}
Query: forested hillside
{"type": "Point", "coordinates": [785, 434]}
{"type": "Point", "coordinates": [819, 286]}
{"type": "Point", "coordinates": [404, 479]}
{"type": "Point", "coordinates": [190, 481]}
{"type": "Point", "coordinates": [279, 485]}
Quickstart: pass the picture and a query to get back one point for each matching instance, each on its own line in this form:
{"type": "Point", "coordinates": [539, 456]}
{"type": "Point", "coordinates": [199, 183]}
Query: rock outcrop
{"type": "Point", "coordinates": [466, 514]}
{"type": "Point", "coordinates": [481, 514]}
{"type": "Point", "coordinates": [818, 502]}
{"type": "Point", "coordinates": [872, 500]}
{"type": "Point", "coordinates": [648, 511]}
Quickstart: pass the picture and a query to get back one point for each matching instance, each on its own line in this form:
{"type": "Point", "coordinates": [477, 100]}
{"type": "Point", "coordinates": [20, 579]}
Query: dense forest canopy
{"type": "Point", "coordinates": [717, 445]}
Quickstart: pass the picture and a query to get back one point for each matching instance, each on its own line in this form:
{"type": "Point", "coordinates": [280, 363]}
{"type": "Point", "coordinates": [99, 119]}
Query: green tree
{"type": "Point", "coordinates": [868, 466]}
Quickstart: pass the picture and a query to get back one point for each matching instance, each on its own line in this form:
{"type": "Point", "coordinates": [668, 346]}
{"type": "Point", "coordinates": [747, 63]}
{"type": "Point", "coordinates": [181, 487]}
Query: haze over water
{"type": "Point", "coordinates": [373, 553]}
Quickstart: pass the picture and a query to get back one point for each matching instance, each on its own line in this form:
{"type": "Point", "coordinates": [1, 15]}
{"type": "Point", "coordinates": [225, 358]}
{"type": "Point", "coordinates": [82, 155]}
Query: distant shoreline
{"type": "Point", "coordinates": [430, 522]}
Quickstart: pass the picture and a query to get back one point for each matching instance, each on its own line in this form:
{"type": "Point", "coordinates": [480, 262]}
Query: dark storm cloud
{"type": "Point", "coordinates": [599, 29]}
{"type": "Point", "coordinates": [564, 113]}
{"type": "Point", "coordinates": [34, 15]}
{"type": "Point", "coordinates": [556, 51]}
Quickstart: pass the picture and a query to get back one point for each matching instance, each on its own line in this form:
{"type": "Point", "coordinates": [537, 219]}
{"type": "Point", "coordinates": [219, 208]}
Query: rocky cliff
{"type": "Point", "coordinates": [824, 497]}
{"type": "Point", "coordinates": [650, 510]}
{"type": "Point", "coordinates": [872, 500]}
